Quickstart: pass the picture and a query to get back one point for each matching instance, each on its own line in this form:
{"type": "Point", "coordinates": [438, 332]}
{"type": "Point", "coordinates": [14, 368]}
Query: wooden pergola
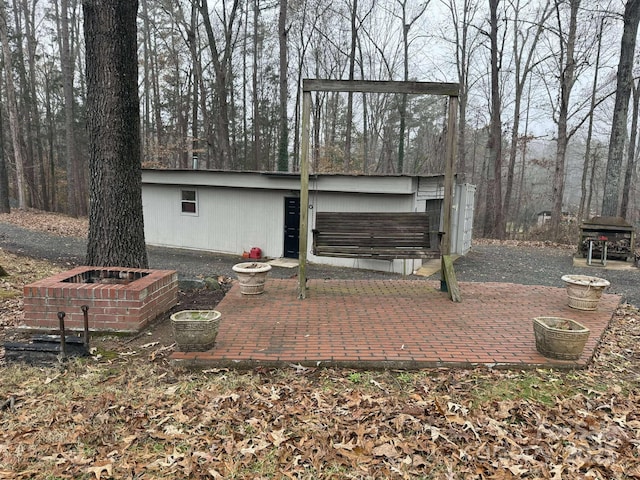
{"type": "Point", "coordinates": [366, 86]}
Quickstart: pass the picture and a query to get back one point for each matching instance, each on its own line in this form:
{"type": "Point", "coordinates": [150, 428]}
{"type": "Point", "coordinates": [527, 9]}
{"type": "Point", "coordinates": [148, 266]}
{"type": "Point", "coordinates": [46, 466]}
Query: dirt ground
{"type": "Point", "coordinates": [158, 336]}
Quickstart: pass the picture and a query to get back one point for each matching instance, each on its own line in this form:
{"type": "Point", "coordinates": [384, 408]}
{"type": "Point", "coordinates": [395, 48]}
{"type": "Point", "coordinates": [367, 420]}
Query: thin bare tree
{"type": "Point", "coordinates": [631, 154]}
{"type": "Point", "coordinates": [525, 45]}
{"type": "Point", "coordinates": [15, 125]}
{"type": "Point", "coordinates": [283, 84]}
{"type": "Point", "coordinates": [494, 214]}
{"type": "Point", "coordinates": [221, 59]}
{"type": "Point", "coordinates": [465, 45]}
{"type": "Point", "coordinates": [567, 73]}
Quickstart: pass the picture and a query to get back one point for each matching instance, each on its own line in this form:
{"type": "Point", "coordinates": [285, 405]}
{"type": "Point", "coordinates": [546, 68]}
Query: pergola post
{"type": "Point", "coordinates": [450, 283]}
{"type": "Point", "coordinates": [304, 196]}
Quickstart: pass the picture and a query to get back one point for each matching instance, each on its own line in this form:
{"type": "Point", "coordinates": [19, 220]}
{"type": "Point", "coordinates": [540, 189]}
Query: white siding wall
{"type": "Point", "coordinates": [234, 218]}
{"type": "Point", "coordinates": [229, 220]}
{"type": "Point", "coordinates": [430, 188]}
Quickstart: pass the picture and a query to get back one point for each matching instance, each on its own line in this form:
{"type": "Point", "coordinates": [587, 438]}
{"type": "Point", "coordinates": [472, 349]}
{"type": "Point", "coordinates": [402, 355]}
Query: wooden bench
{"type": "Point", "coordinates": [384, 236]}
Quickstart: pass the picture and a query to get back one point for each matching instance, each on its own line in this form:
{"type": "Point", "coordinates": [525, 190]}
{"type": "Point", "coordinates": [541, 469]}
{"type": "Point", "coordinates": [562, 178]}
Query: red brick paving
{"type": "Point", "coordinates": [391, 324]}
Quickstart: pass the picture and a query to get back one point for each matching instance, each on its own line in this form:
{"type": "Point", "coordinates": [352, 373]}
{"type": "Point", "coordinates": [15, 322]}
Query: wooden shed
{"type": "Point", "coordinates": [232, 212]}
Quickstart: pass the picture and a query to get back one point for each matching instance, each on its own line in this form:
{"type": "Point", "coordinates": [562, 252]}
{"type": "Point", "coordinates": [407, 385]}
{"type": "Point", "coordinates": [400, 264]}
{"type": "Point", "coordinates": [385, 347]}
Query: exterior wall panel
{"type": "Point", "coordinates": [228, 220]}
{"type": "Point", "coordinates": [237, 211]}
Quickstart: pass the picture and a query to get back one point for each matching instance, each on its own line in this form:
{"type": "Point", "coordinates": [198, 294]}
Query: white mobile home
{"type": "Point", "coordinates": [232, 212]}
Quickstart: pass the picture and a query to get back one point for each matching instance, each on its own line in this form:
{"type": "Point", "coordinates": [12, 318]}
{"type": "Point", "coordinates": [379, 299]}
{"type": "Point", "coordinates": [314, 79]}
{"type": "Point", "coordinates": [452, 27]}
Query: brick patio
{"type": "Point", "coordinates": [391, 324]}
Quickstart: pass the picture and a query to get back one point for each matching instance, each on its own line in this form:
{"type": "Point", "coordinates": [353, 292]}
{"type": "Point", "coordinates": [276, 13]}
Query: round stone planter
{"type": "Point", "coordinates": [252, 276]}
{"type": "Point", "coordinates": [560, 338]}
{"type": "Point", "coordinates": [584, 292]}
{"type": "Point", "coordinates": [195, 330]}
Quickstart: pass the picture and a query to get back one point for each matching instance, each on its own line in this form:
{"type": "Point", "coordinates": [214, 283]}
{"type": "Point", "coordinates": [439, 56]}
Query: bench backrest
{"type": "Point", "coordinates": [372, 234]}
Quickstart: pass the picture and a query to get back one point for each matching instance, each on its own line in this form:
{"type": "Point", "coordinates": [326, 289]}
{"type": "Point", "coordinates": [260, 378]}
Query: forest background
{"type": "Point", "coordinates": [219, 85]}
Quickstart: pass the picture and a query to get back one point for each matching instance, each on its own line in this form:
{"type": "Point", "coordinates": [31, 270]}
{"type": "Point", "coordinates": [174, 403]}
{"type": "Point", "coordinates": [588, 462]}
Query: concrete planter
{"type": "Point", "coordinates": [560, 338]}
{"type": "Point", "coordinates": [252, 277]}
{"type": "Point", "coordinates": [584, 292]}
{"type": "Point", "coordinates": [195, 330]}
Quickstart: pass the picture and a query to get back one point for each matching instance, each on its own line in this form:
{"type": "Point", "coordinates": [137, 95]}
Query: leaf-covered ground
{"type": "Point", "coordinates": [128, 414]}
{"type": "Point", "coordinates": [54, 223]}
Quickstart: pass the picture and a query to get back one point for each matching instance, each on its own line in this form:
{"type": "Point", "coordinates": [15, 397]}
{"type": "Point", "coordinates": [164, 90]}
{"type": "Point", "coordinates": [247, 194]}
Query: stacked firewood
{"type": "Point", "coordinates": [618, 249]}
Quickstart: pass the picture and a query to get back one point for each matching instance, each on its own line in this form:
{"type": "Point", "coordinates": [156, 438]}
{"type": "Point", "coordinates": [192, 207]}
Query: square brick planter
{"type": "Point", "coordinates": [119, 299]}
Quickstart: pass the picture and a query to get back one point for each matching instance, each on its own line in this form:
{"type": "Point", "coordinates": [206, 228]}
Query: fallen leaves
{"type": "Point", "coordinates": [130, 416]}
{"type": "Point", "coordinates": [51, 222]}
{"type": "Point", "coordinates": [124, 420]}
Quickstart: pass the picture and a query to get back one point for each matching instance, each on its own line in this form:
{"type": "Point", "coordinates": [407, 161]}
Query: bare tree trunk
{"type": "Point", "coordinates": [257, 123]}
{"type": "Point", "coordinates": [365, 117]}
{"type": "Point", "coordinates": [197, 71]}
{"type": "Point", "coordinates": [49, 120]}
{"type": "Point", "coordinates": [23, 102]}
{"type": "Point", "coordinates": [352, 69]}
{"type": "Point", "coordinates": [523, 155]}
{"type": "Point", "coordinates": [494, 214]}
{"type": "Point", "coordinates": [406, 27]}
{"type": "Point", "coordinates": [283, 144]}
{"type": "Point", "coordinates": [524, 63]}
{"type": "Point", "coordinates": [587, 152]}
{"type": "Point", "coordinates": [146, 54]}
{"type": "Point", "coordinates": [73, 200]}
{"type": "Point", "coordinates": [113, 123]}
{"type": "Point", "coordinates": [595, 156]}
{"type": "Point", "coordinates": [41, 187]}
{"type": "Point", "coordinates": [221, 61]}
{"type": "Point", "coordinates": [153, 109]}
{"type": "Point", "coordinates": [12, 107]}
{"type": "Point", "coordinates": [567, 78]}
{"type": "Point", "coordinates": [621, 109]}
{"type": "Point", "coordinates": [247, 154]}
{"type": "Point", "coordinates": [5, 207]}
{"type": "Point", "coordinates": [631, 153]}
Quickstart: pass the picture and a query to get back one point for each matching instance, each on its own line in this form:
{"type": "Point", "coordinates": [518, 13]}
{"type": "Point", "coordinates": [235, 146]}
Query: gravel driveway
{"type": "Point", "coordinates": [484, 263]}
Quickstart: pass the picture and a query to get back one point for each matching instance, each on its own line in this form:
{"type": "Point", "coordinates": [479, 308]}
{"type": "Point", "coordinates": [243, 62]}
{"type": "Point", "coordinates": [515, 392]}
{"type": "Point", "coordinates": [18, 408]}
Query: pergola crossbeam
{"type": "Point", "coordinates": [373, 86]}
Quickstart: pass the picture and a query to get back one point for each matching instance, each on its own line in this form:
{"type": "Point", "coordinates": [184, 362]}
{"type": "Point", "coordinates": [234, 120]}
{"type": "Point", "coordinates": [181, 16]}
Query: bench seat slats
{"type": "Point", "coordinates": [381, 235]}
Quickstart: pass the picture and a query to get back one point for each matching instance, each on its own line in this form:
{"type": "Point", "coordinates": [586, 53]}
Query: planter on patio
{"type": "Point", "coordinates": [560, 338]}
{"type": "Point", "coordinates": [195, 330]}
{"type": "Point", "coordinates": [252, 276]}
{"type": "Point", "coordinates": [584, 291]}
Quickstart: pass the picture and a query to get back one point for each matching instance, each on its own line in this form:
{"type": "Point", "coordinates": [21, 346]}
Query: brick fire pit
{"type": "Point", "coordinates": [119, 299]}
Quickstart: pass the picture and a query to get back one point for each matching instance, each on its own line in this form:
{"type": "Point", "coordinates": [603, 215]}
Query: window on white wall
{"type": "Point", "coordinates": [189, 202]}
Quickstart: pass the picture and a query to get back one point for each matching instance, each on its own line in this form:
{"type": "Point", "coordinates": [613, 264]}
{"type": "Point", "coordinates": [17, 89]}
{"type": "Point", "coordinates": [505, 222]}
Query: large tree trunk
{"type": "Point", "coordinates": [621, 109]}
{"type": "Point", "coordinates": [116, 225]}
